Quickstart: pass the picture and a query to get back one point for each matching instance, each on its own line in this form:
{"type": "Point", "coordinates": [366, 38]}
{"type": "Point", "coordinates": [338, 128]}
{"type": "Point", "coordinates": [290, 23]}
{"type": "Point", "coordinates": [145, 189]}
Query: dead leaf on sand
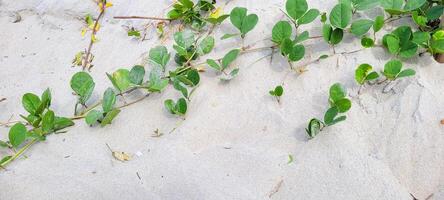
{"type": "Point", "coordinates": [120, 155]}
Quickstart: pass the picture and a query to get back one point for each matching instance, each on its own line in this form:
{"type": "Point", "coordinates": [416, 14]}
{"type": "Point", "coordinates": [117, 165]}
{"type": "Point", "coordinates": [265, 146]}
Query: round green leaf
{"type": "Point", "coordinates": [83, 85]}
{"type": "Point", "coordinates": [392, 69]}
{"type": "Point", "coordinates": [361, 27]}
{"type": "Point", "coordinates": [237, 16]}
{"type": "Point", "coordinates": [343, 105]}
{"type": "Point", "coordinates": [31, 102]}
{"type": "Point", "coordinates": [379, 23]}
{"type": "Point", "coordinates": [408, 49]}
{"type": "Point", "coordinates": [159, 55]}
{"type": "Point", "coordinates": [367, 42]}
{"type": "Point", "coordinates": [109, 99]}
{"type": "Point", "coordinates": [336, 36]}
{"type": "Point", "coordinates": [326, 32]}
{"type": "Point", "coordinates": [281, 31]}
{"type": "Point", "coordinates": [337, 92]}
{"type": "Point", "coordinates": [229, 58]}
{"type": "Point", "coordinates": [93, 116]}
{"type": "Point", "coordinates": [297, 53]}
{"type": "Point", "coordinates": [207, 45]}
{"type": "Point", "coordinates": [330, 115]}
{"type": "Point", "coordinates": [181, 106]}
{"type": "Point", "coordinates": [308, 17]}
{"type": "Point", "coordinates": [17, 134]}
{"type": "Point", "coordinates": [406, 72]}
{"type": "Point", "coordinates": [340, 15]}
{"type": "Point", "coordinates": [361, 72]}
{"type": "Point", "coordinates": [278, 91]}
{"type": "Point", "coordinates": [136, 74]}
{"type": "Point", "coordinates": [296, 8]}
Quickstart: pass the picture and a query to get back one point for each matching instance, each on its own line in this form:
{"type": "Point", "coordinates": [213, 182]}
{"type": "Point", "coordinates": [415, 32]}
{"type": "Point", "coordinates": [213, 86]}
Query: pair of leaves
{"type": "Point", "coordinates": [364, 73]}
{"type": "Point", "coordinates": [83, 85]}
{"type": "Point", "coordinates": [338, 98]}
{"type": "Point", "coordinates": [123, 79]}
{"type": "Point", "coordinates": [277, 91]}
{"type": "Point", "coordinates": [281, 34]}
{"type": "Point", "coordinates": [401, 42]}
{"type": "Point", "coordinates": [243, 22]}
{"type": "Point", "coordinates": [299, 13]}
{"type": "Point", "coordinates": [190, 78]}
{"type": "Point", "coordinates": [392, 70]}
{"type": "Point", "coordinates": [226, 61]}
{"type": "Point", "coordinates": [362, 26]}
{"type": "Point", "coordinates": [332, 36]}
{"type": "Point", "coordinates": [108, 112]}
{"type": "Point", "coordinates": [159, 56]}
{"type": "Point", "coordinates": [176, 108]}
{"type": "Point", "coordinates": [34, 105]}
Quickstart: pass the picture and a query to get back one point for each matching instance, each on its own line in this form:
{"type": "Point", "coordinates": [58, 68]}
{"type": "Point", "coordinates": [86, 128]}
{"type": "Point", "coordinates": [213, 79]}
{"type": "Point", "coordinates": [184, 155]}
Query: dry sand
{"type": "Point", "coordinates": [235, 141]}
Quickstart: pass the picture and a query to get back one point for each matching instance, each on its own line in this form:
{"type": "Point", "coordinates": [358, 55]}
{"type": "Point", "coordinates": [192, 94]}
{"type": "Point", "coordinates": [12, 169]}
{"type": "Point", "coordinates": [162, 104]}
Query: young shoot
{"type": "Point", "coordinates": [243, 22]}
{"type": "Point", "coordinates": [339, 104]}
{"type": "Point", "coordinates": [277, 92]}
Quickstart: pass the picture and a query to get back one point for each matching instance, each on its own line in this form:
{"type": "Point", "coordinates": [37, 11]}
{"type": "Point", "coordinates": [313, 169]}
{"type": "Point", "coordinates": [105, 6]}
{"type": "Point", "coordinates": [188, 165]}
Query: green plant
{"type": "Point", "coordinates": [176, 108]}
{"type": "Point", "coordinates": [221, 65]}
{"type": "Point", "coordinates": [243, 22]}
{"type": "Point", "coordinates": [43, 122]}
{"type": "Point", "coordinates": [277, 92]}
{"type": "Point", "coordinates": [339, 104]}
{"type": "Point", "coordinates": [393, 70]}
{"type": "Point", "coordinates": [364, 74]}
{"type": "Point", "coordinates": [191, 13]}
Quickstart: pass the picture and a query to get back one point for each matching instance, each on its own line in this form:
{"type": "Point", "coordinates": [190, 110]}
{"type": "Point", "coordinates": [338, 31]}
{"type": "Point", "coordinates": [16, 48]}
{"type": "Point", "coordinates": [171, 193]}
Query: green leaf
{"type": "Point", "coordinates": [83, 85]}
{"type": "Point", "coordinates": [421, 38]}
{"type": "Point", "coordinates": [414, 4]}
{"type": "Point", "coordinates": [206, 46]}
{"type": "Point", "coordinates": [372, 76]}
{"type": "Point", "coordinates": [178, 86]}
{"type": "Point", "coordinates": [158, 85]}
{"type": "Point", "coordinates": [361, 27]}
{"type": "Point", "coordinates": [286, 46]}
{"type": "Point", "coordinates": [31, 103]}
{"type": "Point", "coordinates": [136, 75]}
{"type": "Point", "coordinates": [392, 43]}
{"type": "Point", "coordinates": [193, 76]}
{"type": "Point", "coordinates": [62, 122]}
{"type": "Point", "coordinates": [365, 4]}
{"type": "Point", "coordinates": [48, 121]}
{"type": "Point", "coordinates": [187, 3]}
{"type": "Point", "coordinates": [404, 33]}
{"type": "Point", "coordinates": [340, 15]}
{"type": "Point", "coordinates": [309, 17]}
{"type": "Point", "coordinates": [327, 32]}
{"type": "Point", "coordinates": [438, 46]}
{"type": "Point", "coordinates": [181, 106]}
{"type": "Point", "coordinates": [109, 117]}
{"type": "Point", "coordinates": [281, 30]}
{"type": "Point", "coordinates": [336, 36]}
{"type": "Point", "coordinates": [93, 116]}
{"type": "Point", "coordinates": [32, 119]}
{"type": "Point", "coordinates": [184, 39]}
{"type": "Point", "coordinates": [337, 92]}
{"type": "Point", "coordinates": [406, 72]}
{"type": "Point", "coordinates": [169, 105]}
{"type": "Point", "coordinates": [3, 144]}
{"type": "Point", "coordinates": [120, 79]}
{"type": "Point", "coordinates": [392, 69]}
{"type": "Point", "coordinates": [392, 4]}
{"type": "Point", "coordinates": [314, 127]}
{"type": "Point", "coordinates": [302, 37]}
{"type": "Point", "coordinates": [343, 105]}
{"type": "Point", "coordinates": [109, 99]}
{"type": "Point", "coordinates": [418, 19]}
{"type": "Point", "coordinates": [296, 8]}
{"type": "Point", "coordinates": [45, 102]}
{"type": "Point", "coordinates": [17, 134]}
{"type": "Point", "coordinates": [435, 12]}
{"type": "Point", "coordinates": [212, 63]}
{"type": "Point", "coordinates": [229, 58]}
{"type": "Point", "coordinates": [297, 53]}
{"type": "Point", "coordinates": [378, 24]}
{"type": "Point", "coordinates": [367, 42]}
{"type": "Point", "coordinates": [226, 36]}
{"type": "Point", "coordinates": [237, 16]}
{"type": "Point", "coordinates": [159, 55]}
{"type": "Point", "coordinates": [133, 33]}
{"type": "Point", "coordinates": [249, 23]}
{"type": "Point", "coordinates": [231, 75]}
{"type": "Point", "coordinates": [361, 73]}
{"type": "Point", "coordinates": [408, 49]}
{"type": "Point", "coordinates": [330, 115]}
{"type": "Point", "coordinates": [278, 91]}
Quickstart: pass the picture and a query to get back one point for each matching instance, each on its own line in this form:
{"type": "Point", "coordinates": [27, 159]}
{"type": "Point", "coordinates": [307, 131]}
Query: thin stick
{"type": "Point", "coordinates": [20, 152]}
{"type": "Point", "coordinates": [94, 32]}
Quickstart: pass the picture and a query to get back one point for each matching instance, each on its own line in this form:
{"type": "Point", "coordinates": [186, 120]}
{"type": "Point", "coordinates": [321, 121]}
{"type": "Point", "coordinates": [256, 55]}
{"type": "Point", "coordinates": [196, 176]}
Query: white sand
{"type": "Point", "coordinates": [236, 139]}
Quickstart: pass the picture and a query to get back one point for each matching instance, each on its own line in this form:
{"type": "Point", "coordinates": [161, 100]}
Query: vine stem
{"type": "Point", "coordinates": [19, 153]}
{"type": "Point", "coordinates": [143, 17]}
{"type": "Point", "coordinates": [94, 32]}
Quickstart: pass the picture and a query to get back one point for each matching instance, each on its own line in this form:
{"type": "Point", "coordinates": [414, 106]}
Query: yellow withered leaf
{"type": "Point", "coordinates": [121, 156]}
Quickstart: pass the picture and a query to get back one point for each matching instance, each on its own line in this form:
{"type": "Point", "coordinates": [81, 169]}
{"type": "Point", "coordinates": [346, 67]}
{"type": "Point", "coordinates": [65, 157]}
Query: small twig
{"type": "Point", "coordinates": [94, 32]}
{"type": "Point", "coordinates": [2, 99]}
